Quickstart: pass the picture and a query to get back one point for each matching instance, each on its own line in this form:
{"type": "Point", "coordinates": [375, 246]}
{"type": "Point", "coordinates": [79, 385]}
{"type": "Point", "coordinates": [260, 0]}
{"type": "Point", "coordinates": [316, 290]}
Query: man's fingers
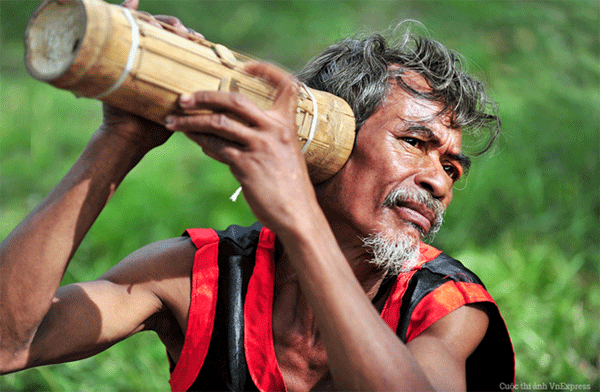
{"type": "Point", "coordinates": [131, 4]}
{"type": "Point", "coordinates": [232, 125]}
{"type": "Point", "coordinates": [234, 103]}
{"type": "Point", "coordinates": [217, 124]}
{"type": "Point", "coordinates": [171, 21]}
{"type": "Point", "coordinates": [178, 26]}
{"type": "Point", "coordinates": [150, 19]}
{"type": "Point", "coordinates": [156, 20]}
{"type": "Point", "coordinates": [287, 87]}
{"type": "Point", "coordinates": [269, 72]}
{"type": "Point", "coordinates": [216, 147]}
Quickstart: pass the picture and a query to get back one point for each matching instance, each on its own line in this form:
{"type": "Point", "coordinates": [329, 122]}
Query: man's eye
{"type": "Point", "coordinates": [412, 141]}
{"type": "Point", "coordinates": [452, 172]}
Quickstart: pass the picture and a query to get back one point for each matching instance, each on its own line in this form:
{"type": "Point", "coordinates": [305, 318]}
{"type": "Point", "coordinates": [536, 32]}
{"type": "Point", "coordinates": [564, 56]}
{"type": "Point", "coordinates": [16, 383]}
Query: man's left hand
{"type": "Point", "coordinates": [260, 146]}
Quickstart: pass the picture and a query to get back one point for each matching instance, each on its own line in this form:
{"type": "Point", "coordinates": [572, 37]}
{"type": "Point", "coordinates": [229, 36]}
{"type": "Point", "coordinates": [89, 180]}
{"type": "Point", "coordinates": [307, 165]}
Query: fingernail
{"type": "Point", "coordinates": [186, 99]}
{"type": "Point", "coordinates": [169, 120]}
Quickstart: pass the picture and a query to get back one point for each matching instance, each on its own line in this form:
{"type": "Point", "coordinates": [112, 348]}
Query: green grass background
{"type": "Point", "coordinates": [526, 218]}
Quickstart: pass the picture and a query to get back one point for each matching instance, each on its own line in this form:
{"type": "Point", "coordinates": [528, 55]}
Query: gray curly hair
{"type": "Point", "coordinates": [358, 70]}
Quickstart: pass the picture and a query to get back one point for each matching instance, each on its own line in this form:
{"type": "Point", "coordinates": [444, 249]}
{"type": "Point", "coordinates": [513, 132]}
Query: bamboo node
{"type": "Point", "coordinates": [227, 58]}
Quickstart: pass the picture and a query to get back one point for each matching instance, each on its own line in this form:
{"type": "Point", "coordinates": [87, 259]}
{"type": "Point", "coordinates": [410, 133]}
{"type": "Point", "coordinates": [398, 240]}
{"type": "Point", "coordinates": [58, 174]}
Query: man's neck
{"type": "Point", "coordinates": [299, 347]}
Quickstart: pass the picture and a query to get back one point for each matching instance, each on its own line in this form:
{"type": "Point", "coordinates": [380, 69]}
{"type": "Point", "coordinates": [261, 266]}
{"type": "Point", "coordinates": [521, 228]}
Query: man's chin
{"type": "Point", "coordinates": [409, 230]}
{"type": "Point", "coordinates": [395, 253]}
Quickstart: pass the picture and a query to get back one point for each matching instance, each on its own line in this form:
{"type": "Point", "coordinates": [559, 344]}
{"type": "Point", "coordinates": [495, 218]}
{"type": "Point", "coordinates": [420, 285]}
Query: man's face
{"type": "Point", "coordinates": [403, 146]}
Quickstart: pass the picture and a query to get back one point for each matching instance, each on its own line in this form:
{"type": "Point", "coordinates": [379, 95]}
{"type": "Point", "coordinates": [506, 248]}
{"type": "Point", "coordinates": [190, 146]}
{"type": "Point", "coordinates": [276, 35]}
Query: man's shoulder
{"type": "Point", "coordinates": [440, 277]}
{"type": "Point", "coordinates": [438, 285]}
{"type": "Point", "coordinates": [444, 268]}
{"type": "Point", "coordinates": [158, 258]}
{"type": "Point", "coordinates": [243, 238]}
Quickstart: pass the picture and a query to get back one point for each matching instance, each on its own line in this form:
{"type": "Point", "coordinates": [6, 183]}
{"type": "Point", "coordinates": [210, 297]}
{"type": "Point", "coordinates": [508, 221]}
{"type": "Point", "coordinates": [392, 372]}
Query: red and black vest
{"type": "Point", "coordinates": [229, 340]}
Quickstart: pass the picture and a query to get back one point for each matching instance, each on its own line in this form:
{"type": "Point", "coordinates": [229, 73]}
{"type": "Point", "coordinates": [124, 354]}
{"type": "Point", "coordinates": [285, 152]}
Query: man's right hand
{"type": "Point", "coordinates": [133, 129]}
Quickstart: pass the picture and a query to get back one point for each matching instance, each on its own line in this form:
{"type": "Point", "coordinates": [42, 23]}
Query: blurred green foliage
{"type": "Point", "coordinates": [525, 219]}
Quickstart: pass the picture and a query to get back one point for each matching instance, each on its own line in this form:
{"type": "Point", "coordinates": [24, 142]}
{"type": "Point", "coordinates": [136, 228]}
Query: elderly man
{"type": "Point", "coordinates": [332, 290]}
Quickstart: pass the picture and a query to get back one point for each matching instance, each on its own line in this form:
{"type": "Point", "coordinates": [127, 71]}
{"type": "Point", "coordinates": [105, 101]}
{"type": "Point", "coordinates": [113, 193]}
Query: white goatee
{"type": "Point", "coordinates": [395, 256]}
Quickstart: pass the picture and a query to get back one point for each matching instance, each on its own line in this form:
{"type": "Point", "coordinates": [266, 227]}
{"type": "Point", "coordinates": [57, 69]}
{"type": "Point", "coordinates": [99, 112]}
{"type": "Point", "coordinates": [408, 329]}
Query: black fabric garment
{"type": "Point", "coordinates": [225, 367]}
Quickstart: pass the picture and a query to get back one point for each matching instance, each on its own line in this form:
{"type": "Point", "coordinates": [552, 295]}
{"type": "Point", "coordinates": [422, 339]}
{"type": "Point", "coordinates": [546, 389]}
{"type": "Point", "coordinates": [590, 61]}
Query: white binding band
{"type": "Point", "coordinates": [313, 125]}
{"type": "Point", "coordinates": [133, 49]}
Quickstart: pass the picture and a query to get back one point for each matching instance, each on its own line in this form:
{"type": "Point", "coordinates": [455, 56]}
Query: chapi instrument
{"type": "Point", "coordinates": [107, 52]}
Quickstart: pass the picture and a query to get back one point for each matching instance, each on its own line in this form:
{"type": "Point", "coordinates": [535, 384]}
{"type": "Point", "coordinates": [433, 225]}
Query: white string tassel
{"type": "Point", "coordinates": [236, 194]}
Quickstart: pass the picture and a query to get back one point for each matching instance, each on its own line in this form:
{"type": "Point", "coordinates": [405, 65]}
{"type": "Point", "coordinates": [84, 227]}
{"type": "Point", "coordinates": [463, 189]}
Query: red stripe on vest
{"type": "Point", "coordinates": [391, 310]}
{"type": "Point", "coordinates": [441, 302]}
{"type": "Point", "coordinates": [258, 317]}
{"type": "Point", "coordinates": [203, 306]}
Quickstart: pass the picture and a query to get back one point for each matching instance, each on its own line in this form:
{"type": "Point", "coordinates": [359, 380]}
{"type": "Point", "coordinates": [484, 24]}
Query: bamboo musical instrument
{"type": "Point", "coordinates": [99, 50]}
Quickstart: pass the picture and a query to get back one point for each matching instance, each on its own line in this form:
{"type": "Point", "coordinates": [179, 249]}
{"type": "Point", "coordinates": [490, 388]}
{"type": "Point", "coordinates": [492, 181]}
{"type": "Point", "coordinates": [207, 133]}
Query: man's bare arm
{"type": "Point", "coordinates": [34, 257]}
{"type": "Point", "coordinates": [443, 348]}
{"type": "Point", "coordinates": [148, 290]}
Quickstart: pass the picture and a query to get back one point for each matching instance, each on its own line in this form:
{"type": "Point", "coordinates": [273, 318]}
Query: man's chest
{"type": "Point", "coordinates": [304, 368]}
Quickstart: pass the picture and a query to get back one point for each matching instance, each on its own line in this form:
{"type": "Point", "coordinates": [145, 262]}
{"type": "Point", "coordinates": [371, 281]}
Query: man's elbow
{"type": "Point", "coordinates": [14, 351]}
{"type": "Point", "coordinates": [13, 359]}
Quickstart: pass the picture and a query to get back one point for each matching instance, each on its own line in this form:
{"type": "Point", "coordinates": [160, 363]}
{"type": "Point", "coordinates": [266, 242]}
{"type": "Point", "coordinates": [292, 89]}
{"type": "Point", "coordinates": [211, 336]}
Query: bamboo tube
{"type": "Point", "coordinates": [103, 51]}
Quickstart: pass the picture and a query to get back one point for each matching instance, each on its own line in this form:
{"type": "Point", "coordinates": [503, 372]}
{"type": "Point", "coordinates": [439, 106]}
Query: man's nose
{"type": "Point", "coordinates": [433, 178]}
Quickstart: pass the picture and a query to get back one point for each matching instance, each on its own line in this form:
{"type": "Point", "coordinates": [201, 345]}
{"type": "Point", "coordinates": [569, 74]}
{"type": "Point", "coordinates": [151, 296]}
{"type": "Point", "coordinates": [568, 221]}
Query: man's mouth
{"type": "Point", "coordinates": [417, 214]}
{"type": "Point", "coordinates": [420, 210]}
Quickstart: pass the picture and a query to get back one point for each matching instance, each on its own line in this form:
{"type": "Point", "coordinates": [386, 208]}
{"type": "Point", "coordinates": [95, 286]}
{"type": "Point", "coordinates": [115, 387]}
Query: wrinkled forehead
{"type": "Point", "coordinates": [413, 106]}
{"type": "Point", "coordinates": [415, 90]}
